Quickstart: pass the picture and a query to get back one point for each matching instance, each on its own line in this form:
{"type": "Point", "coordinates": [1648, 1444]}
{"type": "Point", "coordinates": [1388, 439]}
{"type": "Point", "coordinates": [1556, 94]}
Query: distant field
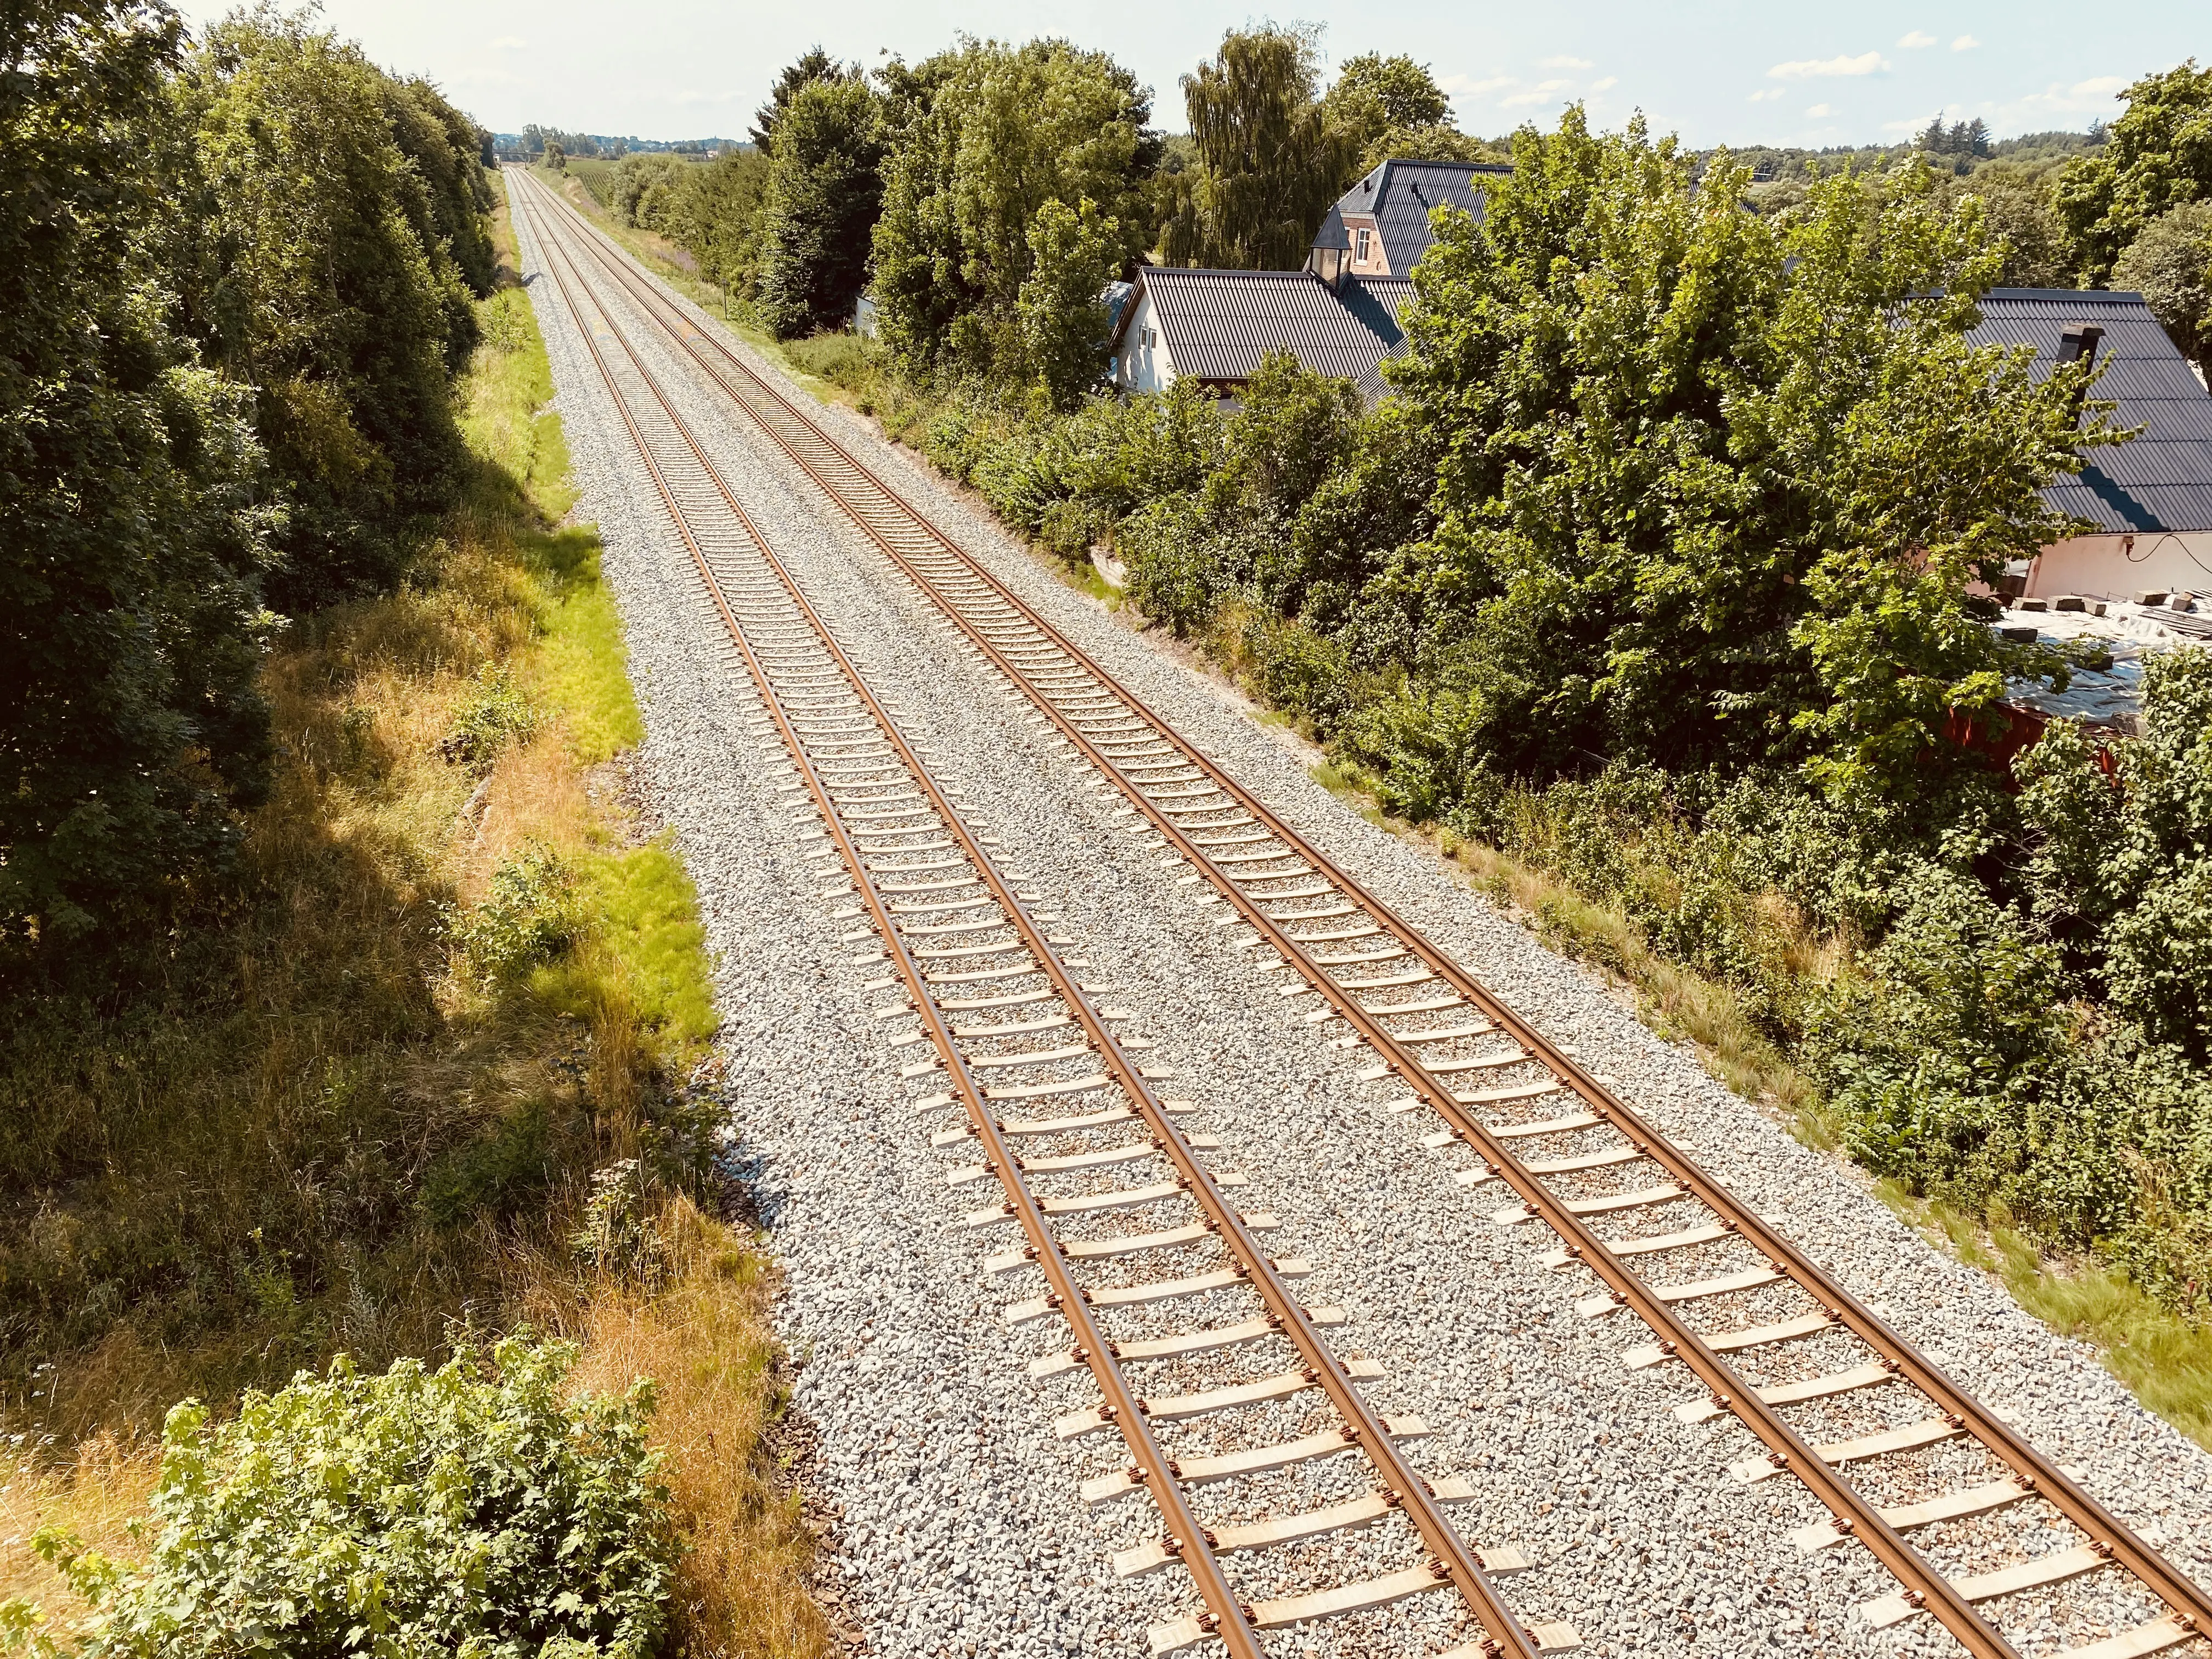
{"type": "Point", "coordinates": [596, 174]}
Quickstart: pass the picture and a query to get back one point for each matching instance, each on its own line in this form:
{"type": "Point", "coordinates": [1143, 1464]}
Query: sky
{"type": "Point", "coordinates": [1719, 72]}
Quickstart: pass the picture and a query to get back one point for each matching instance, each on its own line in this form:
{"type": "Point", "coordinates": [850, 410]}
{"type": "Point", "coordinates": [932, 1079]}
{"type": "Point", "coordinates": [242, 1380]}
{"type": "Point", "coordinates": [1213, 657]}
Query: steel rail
{"type": "Point", "coordinates": [1404, 1487]}
{"type": "Point", "coordinates": [2181, 1594]}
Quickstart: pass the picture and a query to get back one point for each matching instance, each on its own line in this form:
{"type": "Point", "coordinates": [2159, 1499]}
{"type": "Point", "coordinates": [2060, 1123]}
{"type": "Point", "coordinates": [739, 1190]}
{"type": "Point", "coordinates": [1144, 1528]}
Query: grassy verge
{"type": "Point", "coordinates": [361, 1097]}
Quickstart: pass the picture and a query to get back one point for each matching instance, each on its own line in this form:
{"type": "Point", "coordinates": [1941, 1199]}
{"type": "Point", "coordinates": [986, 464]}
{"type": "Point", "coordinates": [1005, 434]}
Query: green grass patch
{"type": "Point", "coordinates": [2163, 1359]}
{"type": "Point", "coordinates": [649, 911]}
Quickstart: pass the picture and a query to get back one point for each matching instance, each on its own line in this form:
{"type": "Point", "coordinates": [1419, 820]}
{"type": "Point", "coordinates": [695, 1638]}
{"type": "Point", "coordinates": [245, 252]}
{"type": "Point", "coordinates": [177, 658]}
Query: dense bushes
{"type": "Point", "coordinates": [135, 518]}
{"type": "Point", "coordinates": [468, 1509]}
{"type": "Point", "coordinates": [238, 288]}
{"type": "Point", "coordinates": [340, 302]}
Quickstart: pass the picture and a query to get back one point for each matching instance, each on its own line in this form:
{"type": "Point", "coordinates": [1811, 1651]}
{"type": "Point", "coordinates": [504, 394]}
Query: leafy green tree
{"type": "Point", "coordinates": [2170, 264]}
{"type": "Point", "coordinates": [716, 217]}
{"type": "Point", "coordinates": [537, 140]}
{"type": "Point", "coordinates": [133, 524]}
{"type": "Point", "coordinates": [983, 136]}
{"type": "Point", "coordinates": [1958, 146]}
{"type": "Point", "coordinates": [554, 157]}
{"type": "Point", "coordinates": [2017, 211]}
{"type": "Point", "coordinates": [811, 65]}
{"type": "Point", "coordinates": [447, 149]}
{"type": "Point", "coordinates": [1271, 159]}
{"type": "Point", "coordinates": [825, 191]}
{"type": "Point", "coordinates": [1073, 254]}
{"type": "Point", "coordinates": [644, 188]}
{"type": "Point", "coordinates": [1400, 92]}
{"type": "Point", "coordinates": [1392, 106]}
{"type": "Point", "coordinates": [2156, 156]}
{"type": "Point", "coordinates": [328, 299]}
{"type": "Point", "coordinates": [1714, 487]}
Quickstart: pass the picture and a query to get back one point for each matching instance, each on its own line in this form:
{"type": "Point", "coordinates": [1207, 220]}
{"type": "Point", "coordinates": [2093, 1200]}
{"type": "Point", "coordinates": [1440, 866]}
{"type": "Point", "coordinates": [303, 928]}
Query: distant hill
{"type": "Point", "coordinates": [1962, 148]}
{"type": "Point", "coordinates": [533, 138]}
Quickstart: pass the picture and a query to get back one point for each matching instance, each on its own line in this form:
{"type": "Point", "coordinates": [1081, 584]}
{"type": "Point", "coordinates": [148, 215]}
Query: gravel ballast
{"type": "Point", "coordinates": [960, 1530]}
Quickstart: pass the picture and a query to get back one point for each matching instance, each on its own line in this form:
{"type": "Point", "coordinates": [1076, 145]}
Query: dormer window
{"type": "Point", "coordinates": [1363, 241]}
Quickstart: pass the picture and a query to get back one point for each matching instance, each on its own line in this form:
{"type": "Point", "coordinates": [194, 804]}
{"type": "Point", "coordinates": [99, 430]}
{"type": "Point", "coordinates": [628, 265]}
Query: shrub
{"type": "Point", "coordinates": [1177, 572]}
{"type": "Point", "coordinates": [466, 1511]}
{"type": "Point", "coordinates": [841, 359]}
{"type": "Point", "coordinates": [530, 916]}
{"type": "Point", "coordinates": [1934, 1062]}
{"type": "Point", "coordinates": [497, 716]}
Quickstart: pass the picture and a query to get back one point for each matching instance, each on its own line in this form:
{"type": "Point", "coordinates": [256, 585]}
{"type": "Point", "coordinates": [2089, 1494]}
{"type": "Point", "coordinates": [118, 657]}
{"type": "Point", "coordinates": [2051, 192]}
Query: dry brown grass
{"type": "Point", "coordinates": [98, 1497]}
{"type": "Point", "coordinates": [702, 1334]}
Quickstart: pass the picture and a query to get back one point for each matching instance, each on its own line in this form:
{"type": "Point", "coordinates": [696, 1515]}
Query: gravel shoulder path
{"type": "Point", "coordinates": [961, 1531]}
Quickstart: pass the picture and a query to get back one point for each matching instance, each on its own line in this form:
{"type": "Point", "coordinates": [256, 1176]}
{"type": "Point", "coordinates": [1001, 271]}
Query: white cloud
{"type": "Point", "coordinates": [1606, 85]}
{"type": "Point", "coordinates": [2091, 97]}
{"type": "Point", "coordinates": [1803, 69]}
{"type": "Point", "coordinates": [1540, 92]}
{"type": "Point", "coordinates": [1820, 110]}
{"type": "Point", "coordinates": [1457, 84]}
{"type": "Point", "coordinates": [1764, 96]}
{"type": "Point", "coordinates": [1916, 39]}
{"type": "Point", "coordinates": [1964, 43]}
{"type": "Point", "coordinates": [1565, 63]}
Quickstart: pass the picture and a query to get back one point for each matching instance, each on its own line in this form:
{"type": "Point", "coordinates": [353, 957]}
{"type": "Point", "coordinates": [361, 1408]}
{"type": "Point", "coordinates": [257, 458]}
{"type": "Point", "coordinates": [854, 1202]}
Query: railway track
{"type": "Point", "coordinates": [1902, 1458]}
{"type": "Point", "coordinates": [1034, 1079]}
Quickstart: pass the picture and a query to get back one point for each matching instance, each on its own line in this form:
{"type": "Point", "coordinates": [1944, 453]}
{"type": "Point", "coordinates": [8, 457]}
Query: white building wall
{"type": "Point", "coordinates": [2119, 567]}
{"type": "Point", "coordinates": [1142, 364]}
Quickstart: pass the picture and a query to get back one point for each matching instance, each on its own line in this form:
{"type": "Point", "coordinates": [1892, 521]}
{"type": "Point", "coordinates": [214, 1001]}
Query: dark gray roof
{"type": "Point", "coordinates": [1400, 195]}
{"type": "Point", "coordinates": [1114, 296]}
{"type": "Point", "coordinates": [1377, 302]}
{"type": "Point", "coordinates": [2159, 481]}
{"type": "Point", "coordinates": [1218, 324]}
{"type": "Point", "coordinates": [1392, 294]}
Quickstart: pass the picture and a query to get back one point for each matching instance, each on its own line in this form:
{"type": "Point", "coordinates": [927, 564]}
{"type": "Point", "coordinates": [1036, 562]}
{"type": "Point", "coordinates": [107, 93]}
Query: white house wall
{"type": "Point", "coordinates": [2119, 567]}
{"type": "Point", "coordinates": [1139, 367]}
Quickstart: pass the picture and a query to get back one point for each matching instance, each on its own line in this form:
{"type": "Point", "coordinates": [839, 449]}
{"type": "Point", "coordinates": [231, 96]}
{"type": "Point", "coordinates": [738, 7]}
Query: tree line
{"type": "Point", "coordinates": [911, 184]}
{"type": "Point", "coordinates": [985, 197]}
{"type": "Point", "coordinates": [240, 271]}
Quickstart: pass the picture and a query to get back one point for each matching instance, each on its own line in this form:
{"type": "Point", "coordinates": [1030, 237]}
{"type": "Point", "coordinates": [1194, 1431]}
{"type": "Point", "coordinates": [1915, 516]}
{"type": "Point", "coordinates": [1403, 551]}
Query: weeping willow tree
{"type": "Point", "coordinates": [1271, 159]}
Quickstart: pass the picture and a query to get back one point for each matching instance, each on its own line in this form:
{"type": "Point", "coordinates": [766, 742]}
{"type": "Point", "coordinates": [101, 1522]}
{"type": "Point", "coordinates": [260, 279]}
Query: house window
{"type": "Point", "coordinates": [1151, 339]}
{"type": "Point", "coordinates": [1366, 240]}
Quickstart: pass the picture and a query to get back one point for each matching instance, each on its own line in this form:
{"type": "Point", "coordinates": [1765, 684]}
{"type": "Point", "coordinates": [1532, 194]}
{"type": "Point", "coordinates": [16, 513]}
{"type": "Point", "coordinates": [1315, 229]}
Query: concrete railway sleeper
{"type": "Point", "coordinates": [1277, 886]}
{"type": "Point", "coordinates": [848, 768]}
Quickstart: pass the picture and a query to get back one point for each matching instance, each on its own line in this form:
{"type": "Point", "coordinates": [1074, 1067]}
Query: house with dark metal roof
{"type": "Point", "coordinates": [1214, 326]}
{"type": "Point", "coordinates": [1339, 316]}
{"type": "Point", "coordinates": [2149, 499]}
{"type": "Point", "coordinates": [1380, 227]}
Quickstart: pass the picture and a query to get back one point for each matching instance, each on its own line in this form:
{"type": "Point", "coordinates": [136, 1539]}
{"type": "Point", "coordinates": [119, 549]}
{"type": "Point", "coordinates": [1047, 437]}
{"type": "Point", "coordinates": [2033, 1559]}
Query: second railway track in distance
{"type": "Point", "coordinates": [1767, 1336]}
